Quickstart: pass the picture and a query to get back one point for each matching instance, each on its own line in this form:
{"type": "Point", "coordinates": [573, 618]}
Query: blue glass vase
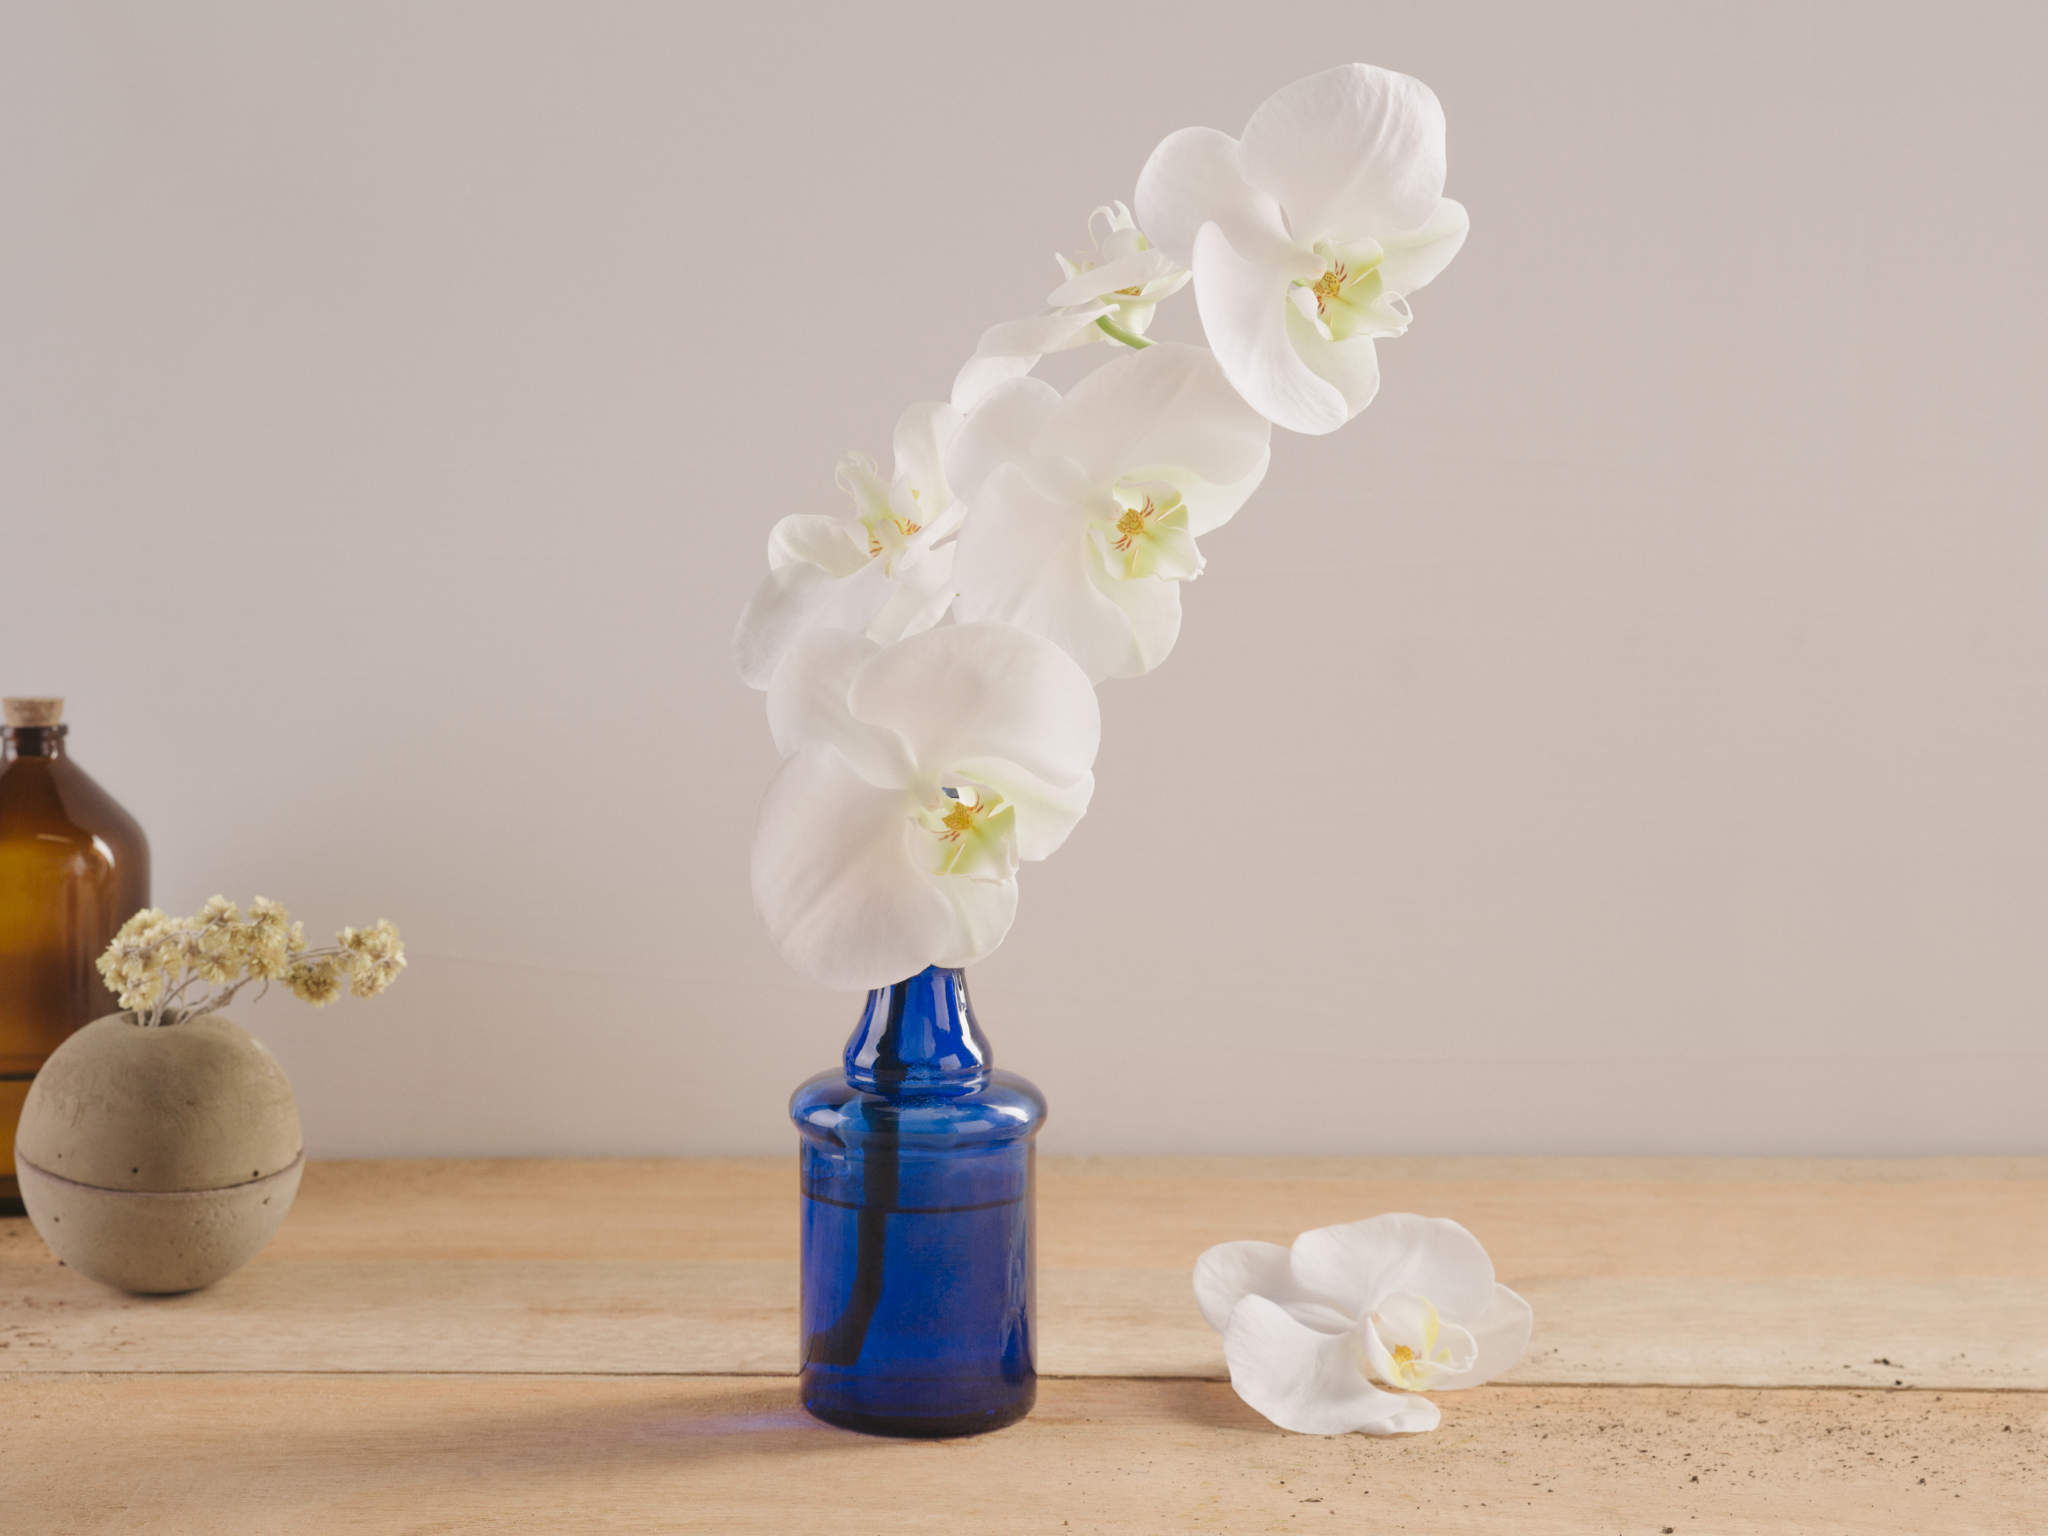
{"type": "Point", "coordinates": [918, 1262]}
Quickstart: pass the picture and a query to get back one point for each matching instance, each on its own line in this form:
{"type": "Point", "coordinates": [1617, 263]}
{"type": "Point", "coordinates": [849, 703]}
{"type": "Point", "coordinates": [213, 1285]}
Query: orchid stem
{"type": "Point", "coordinates": [1115, 332]}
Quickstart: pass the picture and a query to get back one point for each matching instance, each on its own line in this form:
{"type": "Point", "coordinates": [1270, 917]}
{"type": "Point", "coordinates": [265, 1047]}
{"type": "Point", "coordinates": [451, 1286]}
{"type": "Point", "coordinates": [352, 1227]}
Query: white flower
{"type": "Point", "coordinates": [1120, 282]}
{"type": "Point", "coordinates": [1125, 272]}
{"type": "Point", "coordinates": [1083, 512]}
{"type": "Point", "coordinates": [1408, 1300]}
{"type": "Point", "coordinates": [917, 777]}
{"type": "Point", "coordinates": [1307, 235]}
{"type": "Point", "coordinates": [882, 571]}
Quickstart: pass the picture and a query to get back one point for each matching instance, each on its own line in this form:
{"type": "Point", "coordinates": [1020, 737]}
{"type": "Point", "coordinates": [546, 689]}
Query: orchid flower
{"type": "Point", "coordinates": [1307, 235]}
{"type": "Point", "coordinates": [1125, 272]}
{"type": "Point", "coordinates": [1407, 1301]}
{"type": "Point", "coordinates": [916, 778]}
{"type": "Point", "coordinates": [1083, 512]}
{"type": "Point", "coordinates": [1109, 295]}
{"type": "Point", "coordinates": [882, 571]}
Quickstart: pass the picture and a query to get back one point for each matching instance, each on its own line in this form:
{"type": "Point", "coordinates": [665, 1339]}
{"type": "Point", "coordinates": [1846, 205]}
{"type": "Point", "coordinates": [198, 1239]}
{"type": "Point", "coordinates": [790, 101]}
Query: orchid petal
{"type": "Point", "coordinates": [1052, 332]}
{"type": "Point", "coordinates": [984, 371]}
{"type": "Point", "coordinates": [1024, 560]}
{"type": "Point", "coordinates": [1208, 506]}
{"type": "Point", "coordinates": [836, 545]}
{"type": "Point", "coordinates": [1045, 813]}
{"type": "Point", "coordinates": [1414, 258]}
{"type": "Point", "coordinates": [918, 598]}
{"type": "Point", "coordinates": [1135, 270]}
{"type": "Point", "coordinates": [979, 691]}
{"type": "Point", "coordinates": [841, 896]}
{"type": "Point", "coordinates": [922, 433]}
{"type": "Point", "coordinates": [1355, 150]}
{"type": "Point", "coordinates": [1147, 414]}
{"type": "Point", "coordinates": [1195, 178]}
{"type": "Point", "coordinates": [983, 911]}
{"type": "Point", "coordinates": [800, 597]}
{"type": "Point", "coordinates": [1501, 1330]}
{"type": "Point", "coordinates": [1229, 1272]}
{"type": "Point", "coordinates": [1362, 1263]}
{"type": "Point", "coordinates": [1308, 1380]}
{"type": "Point", "coordinates": [1352, 367]}
{"type": "Point", "coordinates": [858, 477]}
{"type": "Point", "coordinates": [1245, 313]}
{"type": "Point", "coordinates": [1150, 606]}
{"type": "Point", "coordinates": [1012, 349]}
{"type": "Point", "coordinates": [807, 707]}
{"type": "Point", "coordinates": [1000, 430]}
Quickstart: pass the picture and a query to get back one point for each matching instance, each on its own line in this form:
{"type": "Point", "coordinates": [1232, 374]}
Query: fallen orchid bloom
{"type": "Point", "coordinates": [1407, 1301]}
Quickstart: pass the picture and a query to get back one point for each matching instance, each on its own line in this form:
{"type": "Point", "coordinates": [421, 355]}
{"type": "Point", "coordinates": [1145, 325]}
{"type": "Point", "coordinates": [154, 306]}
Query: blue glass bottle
{"type": "Point", "coordinates": [918, 1264]}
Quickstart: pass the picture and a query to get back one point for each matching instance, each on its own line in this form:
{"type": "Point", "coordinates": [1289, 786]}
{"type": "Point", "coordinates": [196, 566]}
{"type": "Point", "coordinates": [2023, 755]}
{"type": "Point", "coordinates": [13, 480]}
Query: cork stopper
{"type": "Point", "coordinates": [26, 713]}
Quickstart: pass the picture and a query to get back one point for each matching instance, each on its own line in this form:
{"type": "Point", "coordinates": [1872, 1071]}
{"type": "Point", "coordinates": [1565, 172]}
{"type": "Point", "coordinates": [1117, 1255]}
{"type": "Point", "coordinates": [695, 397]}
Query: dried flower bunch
{"type": "Point", "coordinates": [156, 962]}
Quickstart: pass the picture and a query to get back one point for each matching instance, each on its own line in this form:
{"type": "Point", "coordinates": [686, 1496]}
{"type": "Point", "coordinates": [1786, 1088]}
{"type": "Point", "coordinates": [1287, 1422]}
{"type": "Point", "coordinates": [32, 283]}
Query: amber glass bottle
{"type": "Point", "coordinates": [73, 867]}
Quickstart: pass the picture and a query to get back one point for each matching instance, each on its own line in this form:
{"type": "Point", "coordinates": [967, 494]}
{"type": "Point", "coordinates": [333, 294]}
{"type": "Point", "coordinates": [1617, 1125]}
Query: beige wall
{"type": "Point", "coordinates": [1630, 734]}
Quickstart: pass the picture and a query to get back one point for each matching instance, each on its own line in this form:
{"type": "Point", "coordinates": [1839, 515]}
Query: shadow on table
{"type": "Point", "coordinates": [1205, 1405]}
{"type": "Point", "coordinates": [538, 1446]}
{"type": "Point", "coordinates": [234, 1454]}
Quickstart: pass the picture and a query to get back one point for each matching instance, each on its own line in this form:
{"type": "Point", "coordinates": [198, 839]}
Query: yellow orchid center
{"type": "Point", "coordinates": [1132, 524]}
{"type": "Point", "coordinates": [1350, 296]}
{"type": "Point", "coordinates": [1144, 532]}
{"type": "Point", "coordinates": [889, 532]}
{"type": "Point", "coordinates": [1415, 1345]}
{"type": "Point", "coordinates": [905, 529]}
{"type": "Point", "coordinates": [1329, 287]}
{"type": "Point", "coordinates": [974, 833]}
{"type": "Point", "coordinates": [1412, 1368]}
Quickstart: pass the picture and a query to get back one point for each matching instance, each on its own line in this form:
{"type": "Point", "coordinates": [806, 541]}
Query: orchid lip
{"type": "Point", "coordinates": [975, 833]}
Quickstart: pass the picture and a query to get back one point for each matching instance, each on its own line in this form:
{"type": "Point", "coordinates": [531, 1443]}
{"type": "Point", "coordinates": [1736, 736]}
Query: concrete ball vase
{"type": "Point", "coordinates": [159, 1159]}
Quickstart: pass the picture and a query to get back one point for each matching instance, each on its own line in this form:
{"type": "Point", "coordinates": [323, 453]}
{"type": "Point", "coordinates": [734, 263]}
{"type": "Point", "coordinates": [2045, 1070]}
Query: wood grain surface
{"type": "Point", "coordinates": [604, 1345]}
{"type": "Point", "coordinates": [228, 1455]}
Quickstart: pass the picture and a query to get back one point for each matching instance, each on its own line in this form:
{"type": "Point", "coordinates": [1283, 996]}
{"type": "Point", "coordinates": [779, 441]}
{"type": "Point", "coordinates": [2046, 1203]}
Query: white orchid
{"type": "Point", "coordinates": [1109, 295]}
{"type": "Point", "coordinates": [883, 571]}
{"type": "Point", "coordinates": [1307, 235]}
{"type": "Point", "coordinates": [917, 777]}
{"type": "Point", "coordinates": [929, 657]}
{"type": "Point", "coordinates": [1125, 272]}
{"type": "Point", "coordinates": [1083, 512]}
{"type": "Point", "coordinates": [1409, 1301]}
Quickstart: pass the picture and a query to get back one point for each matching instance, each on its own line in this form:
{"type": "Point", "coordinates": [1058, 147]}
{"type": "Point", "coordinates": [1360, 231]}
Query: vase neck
{"type": "Point", "coordinates": [32, 741]}
{"type": "Point", "coordinates": [919, 1037]}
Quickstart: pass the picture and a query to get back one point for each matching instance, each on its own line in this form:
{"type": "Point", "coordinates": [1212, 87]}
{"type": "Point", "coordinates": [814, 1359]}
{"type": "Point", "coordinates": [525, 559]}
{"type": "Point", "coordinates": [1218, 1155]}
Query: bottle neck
{"type": "Point", "coordinates": [919, 1037]}
{"type": "Point", "coordinates": [32, 741]}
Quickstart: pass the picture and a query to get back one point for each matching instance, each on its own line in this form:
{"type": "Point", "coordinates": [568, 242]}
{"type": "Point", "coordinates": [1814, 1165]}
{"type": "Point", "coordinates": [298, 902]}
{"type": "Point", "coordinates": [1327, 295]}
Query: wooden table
{"type": "Point", "coordinates": [1721, 1347]}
